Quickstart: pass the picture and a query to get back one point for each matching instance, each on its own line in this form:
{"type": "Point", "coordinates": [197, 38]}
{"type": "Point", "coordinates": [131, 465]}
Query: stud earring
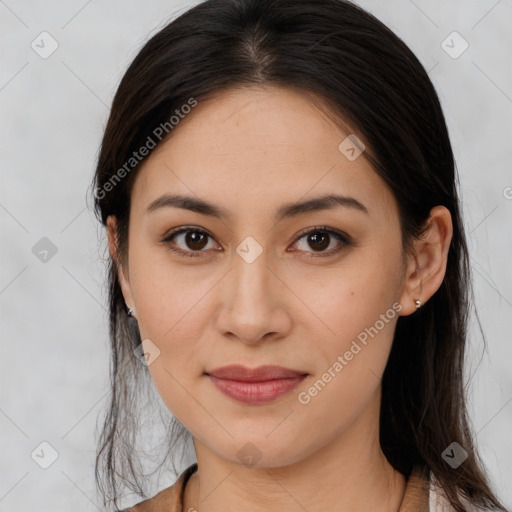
{"type": "Point", "coordinates": [130, 312]}
{"type": "Point", "coordinates": [417, 303]}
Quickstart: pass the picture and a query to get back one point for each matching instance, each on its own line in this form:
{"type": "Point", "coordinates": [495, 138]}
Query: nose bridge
{"type": "Point", "coordinates": [250, 309]}
{"type": "Point", "coordinates": [251, 282]}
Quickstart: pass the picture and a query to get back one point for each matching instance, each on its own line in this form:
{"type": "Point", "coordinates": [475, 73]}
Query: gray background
{"type": "Point", "coordinates": [53, 313]}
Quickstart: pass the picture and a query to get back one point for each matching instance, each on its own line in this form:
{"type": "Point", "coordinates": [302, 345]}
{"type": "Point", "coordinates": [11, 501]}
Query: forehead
{"type": "Point", "coordinates": [257, 146]}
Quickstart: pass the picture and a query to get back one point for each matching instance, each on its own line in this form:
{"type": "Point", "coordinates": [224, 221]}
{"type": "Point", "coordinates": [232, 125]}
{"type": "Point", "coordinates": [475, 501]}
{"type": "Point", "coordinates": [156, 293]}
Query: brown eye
{"type": "Point", "coordinates": [318, 239]}
{"type": "Point", "coordinates": [195, 240]}
{"type": "Point", "coordinates": [188, 241]}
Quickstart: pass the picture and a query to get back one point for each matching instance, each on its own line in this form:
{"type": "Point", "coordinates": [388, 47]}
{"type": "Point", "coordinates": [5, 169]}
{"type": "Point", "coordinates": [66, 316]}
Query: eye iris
{"type": "Point", "coordinates": [320, 239]}
{"type": "Point", "coordinates": [193, 238]}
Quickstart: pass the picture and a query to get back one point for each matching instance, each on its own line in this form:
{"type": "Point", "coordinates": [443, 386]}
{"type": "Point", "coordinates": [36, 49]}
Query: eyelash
{"type": "Point", "coordinates": [341, 237]}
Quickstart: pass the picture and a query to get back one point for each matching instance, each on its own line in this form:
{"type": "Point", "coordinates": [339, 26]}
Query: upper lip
{"type": "Point", "coordinates": [261, 373]}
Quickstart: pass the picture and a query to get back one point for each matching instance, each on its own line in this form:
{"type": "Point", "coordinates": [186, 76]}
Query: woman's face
{"type": "Point", "coordinates": [247, 285]}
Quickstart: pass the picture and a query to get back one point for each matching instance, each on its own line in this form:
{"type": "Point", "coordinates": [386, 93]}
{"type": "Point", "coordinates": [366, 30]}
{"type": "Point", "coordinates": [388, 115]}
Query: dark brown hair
{"type": "Point", "coordinates": [340, 53]}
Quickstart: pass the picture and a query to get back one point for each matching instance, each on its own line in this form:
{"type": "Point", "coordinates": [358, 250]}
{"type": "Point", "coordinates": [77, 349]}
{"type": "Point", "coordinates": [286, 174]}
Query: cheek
{"type": "Point", "coordinates": [349, 361]}
{"type": "Point", "coordinates": [170, 297]}
{"type": "Point", "coordinates": [356, 308]}
{"type": "Point", "coordinates": [172, 305]}
{"type": "Point", "coordinates": [355, 293]}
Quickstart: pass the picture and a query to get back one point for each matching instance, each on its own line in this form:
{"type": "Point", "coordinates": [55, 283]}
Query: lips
{"type": "Point", "coordinates": [255, 386]}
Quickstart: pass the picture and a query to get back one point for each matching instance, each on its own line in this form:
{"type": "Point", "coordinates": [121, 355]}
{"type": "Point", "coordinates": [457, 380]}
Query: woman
{"type": "Point", "coordinates": [288, 266]}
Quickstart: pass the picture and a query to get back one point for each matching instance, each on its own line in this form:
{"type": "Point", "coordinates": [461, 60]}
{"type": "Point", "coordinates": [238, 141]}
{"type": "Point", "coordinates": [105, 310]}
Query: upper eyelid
{"type": "Point", "coordinates": [181, 230]}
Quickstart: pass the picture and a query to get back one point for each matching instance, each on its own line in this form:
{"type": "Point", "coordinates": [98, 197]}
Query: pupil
{"type": "Point", "coordinates": [315, 238]}
{"type": "Point", "coordinates": [194, 239]}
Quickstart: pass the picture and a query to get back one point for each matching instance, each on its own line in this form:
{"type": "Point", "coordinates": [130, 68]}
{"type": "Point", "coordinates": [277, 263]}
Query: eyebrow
{"type": "Point", "coordinates": [288, 210]}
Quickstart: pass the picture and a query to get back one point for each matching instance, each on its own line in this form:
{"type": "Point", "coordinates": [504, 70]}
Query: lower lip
{"type": "Point", "coordinates": [256, 392]}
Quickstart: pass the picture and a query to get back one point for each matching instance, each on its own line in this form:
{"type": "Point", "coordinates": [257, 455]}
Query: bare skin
{"type": "Point", "coordinates": [250, 151]}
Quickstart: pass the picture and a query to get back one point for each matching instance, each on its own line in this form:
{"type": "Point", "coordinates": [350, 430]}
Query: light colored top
{"type": "Point", "coordinates": [421, 495]}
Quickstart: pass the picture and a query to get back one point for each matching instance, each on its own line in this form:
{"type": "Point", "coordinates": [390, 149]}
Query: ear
{"type": "Point", "coordinates": [426, 265]}
{"type": "Point", "coordinates": [122, 273]}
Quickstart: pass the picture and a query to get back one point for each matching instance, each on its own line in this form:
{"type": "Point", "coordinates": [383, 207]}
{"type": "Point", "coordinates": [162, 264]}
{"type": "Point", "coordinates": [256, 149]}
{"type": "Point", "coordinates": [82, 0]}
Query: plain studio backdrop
{"type": "Point", "coordinates": [60, 64]}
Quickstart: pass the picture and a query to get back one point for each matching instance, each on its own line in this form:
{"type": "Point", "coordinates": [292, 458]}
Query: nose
{"type": "Point", "coordinates": [254, 306]}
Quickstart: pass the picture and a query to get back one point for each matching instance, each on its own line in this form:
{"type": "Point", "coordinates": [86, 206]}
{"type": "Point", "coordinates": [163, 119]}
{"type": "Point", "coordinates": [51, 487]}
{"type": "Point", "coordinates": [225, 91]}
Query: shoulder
{"type": "Point", "coordinates": [169, 499]}
{"type": "Point", "coordinates": [438, 501]}
{"type": "Point", "coordinates": [424, 492]}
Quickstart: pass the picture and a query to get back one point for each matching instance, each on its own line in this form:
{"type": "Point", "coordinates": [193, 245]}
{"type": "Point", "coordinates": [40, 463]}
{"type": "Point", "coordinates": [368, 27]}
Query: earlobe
{"type": "Point", "coordinates": [426, 266]}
